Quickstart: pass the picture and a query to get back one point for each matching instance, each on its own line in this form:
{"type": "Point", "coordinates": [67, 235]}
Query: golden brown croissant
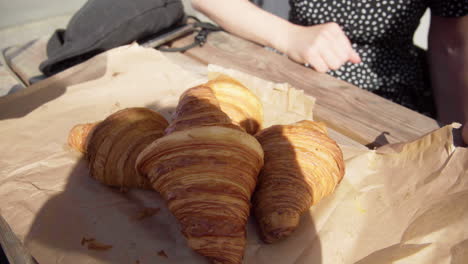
{"type": "Point", "coordinates": [302, 165]}
{"type": "Point", "coordinates": [238, 102]}
{"type": "Point", "coordinates": [112, 146]}
{"type": "Point", "coordinates": [207, 174]}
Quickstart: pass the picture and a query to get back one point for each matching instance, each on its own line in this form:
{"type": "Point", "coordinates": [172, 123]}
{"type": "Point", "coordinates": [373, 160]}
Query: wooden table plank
{"type": "Point", "coordinates": [358, 114]}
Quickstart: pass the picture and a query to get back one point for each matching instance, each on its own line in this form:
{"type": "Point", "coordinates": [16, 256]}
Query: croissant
{"type": "Point", "coordinates": [206, 169]}
{"type": "Point", "coordinates": [302, 165]}
{"type": "Point", "coordinates": [238, 102]}
{"type": "Point", "coordinates": [112, 145]}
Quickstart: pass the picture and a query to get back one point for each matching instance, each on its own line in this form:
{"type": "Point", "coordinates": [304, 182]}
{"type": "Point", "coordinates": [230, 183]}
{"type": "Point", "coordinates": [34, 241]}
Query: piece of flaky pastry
{"type": "Point", "coordinates": [302, 165]}
{"type": "Point", "coordinates": [238, 102]}
{"type": "Point", "coordinates": [112, 145]}
{"type": "Point", "coordinates": [206, 169]}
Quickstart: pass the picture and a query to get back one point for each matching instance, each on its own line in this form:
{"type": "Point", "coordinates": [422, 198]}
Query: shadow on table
{"type": "Point", "coordinates": [22, 102]}
{"type": "Point", "coordinates": [379, 141]}
{"type": "Point", "coordinates": [86, 210]}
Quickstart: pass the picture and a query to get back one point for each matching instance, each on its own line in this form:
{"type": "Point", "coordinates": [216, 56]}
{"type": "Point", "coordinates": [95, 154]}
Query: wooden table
{"type": "Point", "coordinates": [358, 114]}
{"type": "Point", "coordinates": [362, 117]}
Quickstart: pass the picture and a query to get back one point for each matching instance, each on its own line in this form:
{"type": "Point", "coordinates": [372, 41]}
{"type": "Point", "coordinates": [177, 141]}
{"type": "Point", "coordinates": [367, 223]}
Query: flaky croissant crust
{"type": "Point", "coordinates": [302, 165]}
{"type": "Point", "coordinates": [112, 145]}
{"type": "Point", "coordinates": [207, 176]}
{"type": "Point", "coordinates": [238, 102]}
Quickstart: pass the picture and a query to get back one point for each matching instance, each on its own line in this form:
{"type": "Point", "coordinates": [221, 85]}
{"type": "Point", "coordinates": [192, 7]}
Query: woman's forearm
{"type": "Point", "coordinates": [448, 61]}
{"type": "Point", "coordinates": [246, 20]}
{"type": "Point", "coordinates": [323, 46]}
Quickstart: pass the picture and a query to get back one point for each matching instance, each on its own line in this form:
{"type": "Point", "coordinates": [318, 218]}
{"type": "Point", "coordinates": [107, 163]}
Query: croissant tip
{"type": "Point", "coordinates": [277, 235]}
{"type": "Point", "coordinates": [217, 261]}
{"type": "Point", "coordinates": [278, 225]}
{"type": "Point", "coordinates": [77, 136]}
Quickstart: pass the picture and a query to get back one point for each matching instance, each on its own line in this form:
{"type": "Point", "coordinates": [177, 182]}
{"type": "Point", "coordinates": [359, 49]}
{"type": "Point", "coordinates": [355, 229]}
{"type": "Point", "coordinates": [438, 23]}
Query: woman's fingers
{"type": "Point", "coordinates": [465, 133]}
{"type": "Point", "coordinates": [331, 59]}
{"type": "Point", "coordinates": [339, 42]}
{"type": "Point", "coordinates": [316, 61]}
{"type": "Point", "coordinates": [354, 57]}
{"type": "Point", "coordinates": [328, 47]}
{"type": "Point", "coordinates": [344, 48]}
{"type": "Point", "coordinates": [341, 45]}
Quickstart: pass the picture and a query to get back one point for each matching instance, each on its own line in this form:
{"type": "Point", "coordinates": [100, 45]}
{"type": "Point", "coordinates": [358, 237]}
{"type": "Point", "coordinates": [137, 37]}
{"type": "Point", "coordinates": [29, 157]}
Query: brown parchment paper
{"type": "Point", "coordinates": [405, 203]}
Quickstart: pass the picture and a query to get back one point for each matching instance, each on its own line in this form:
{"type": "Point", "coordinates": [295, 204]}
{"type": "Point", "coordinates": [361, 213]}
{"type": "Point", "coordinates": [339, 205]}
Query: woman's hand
{"type": "Point", "coordinates": [448, 61]}
{"type": "Point", "coordinates": [324, 47]}
{"type": "Point", "coordinates": [465, 133]}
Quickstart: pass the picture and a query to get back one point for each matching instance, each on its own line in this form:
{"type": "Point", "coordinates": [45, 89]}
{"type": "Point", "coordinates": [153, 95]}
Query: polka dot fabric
{"type": "Point", "coordinates": [382, 33]}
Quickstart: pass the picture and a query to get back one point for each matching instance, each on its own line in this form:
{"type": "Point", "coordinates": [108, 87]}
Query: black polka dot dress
{"type": "Point", "coordinates": [382, 33]}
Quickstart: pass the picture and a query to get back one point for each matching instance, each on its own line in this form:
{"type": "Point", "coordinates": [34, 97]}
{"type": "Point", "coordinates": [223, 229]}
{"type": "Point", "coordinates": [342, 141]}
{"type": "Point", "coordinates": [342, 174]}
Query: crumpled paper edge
{"type": "Point", "coordinates": [283, 95]}
{"type": "Point", "coordinates": [442, 135]}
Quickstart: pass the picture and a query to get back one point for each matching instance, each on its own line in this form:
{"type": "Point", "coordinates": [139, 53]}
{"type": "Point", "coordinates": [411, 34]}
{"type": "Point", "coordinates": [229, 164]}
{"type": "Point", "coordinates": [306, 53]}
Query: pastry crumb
{"type": "Point", "coordinates": [94, 245]}
{"type": "Point", "coordinates": [147, 212]}
{"type": "Point", "coordinates": [161, 253]}
{"type": "Point", "coordinates": [85, 240]}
